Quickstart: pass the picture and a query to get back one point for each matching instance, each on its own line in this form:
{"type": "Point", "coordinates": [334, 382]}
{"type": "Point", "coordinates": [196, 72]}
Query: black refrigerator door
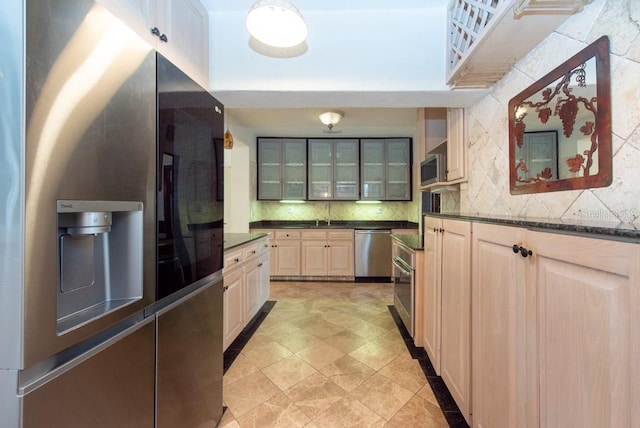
{"type": "Point", "coordinates": [190, 188]}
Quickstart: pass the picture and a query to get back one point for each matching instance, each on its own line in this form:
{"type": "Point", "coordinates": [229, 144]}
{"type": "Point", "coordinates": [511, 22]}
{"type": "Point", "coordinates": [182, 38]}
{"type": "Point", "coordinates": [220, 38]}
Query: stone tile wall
{"type": "Point", "coordinates": [487, 191]}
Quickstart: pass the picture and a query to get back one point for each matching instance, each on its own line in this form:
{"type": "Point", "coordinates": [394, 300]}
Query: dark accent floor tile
{"type": "Point", "coordinates": [236, 347]}
{"type": "Point", "coordinates": [440, 390]}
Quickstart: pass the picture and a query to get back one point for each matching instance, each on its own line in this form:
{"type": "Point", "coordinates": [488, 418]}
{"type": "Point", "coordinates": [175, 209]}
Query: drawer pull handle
{"type": "Point", "coordinates": [236, 260]}
{"type": "Point", "coordinates": [260, 265]}
{"type": "Point", "coordinates": [253, 251]}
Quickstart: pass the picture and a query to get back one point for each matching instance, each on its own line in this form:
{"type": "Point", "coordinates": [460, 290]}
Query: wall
{"type": "Point", "coordinates": [487, 191]}
{"type": "Point", "coordinates": [239, 189]}
{"type": "Point", "coordinates": [242, 206]}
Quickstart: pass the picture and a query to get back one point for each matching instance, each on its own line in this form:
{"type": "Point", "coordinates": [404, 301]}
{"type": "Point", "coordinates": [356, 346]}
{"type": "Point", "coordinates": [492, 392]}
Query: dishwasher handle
{"type": "Point", "coordinates": [368, 231]}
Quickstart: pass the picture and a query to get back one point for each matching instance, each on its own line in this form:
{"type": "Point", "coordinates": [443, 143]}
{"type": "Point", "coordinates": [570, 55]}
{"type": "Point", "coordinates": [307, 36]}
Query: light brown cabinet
{"type": "Point", "coordinates": [285, 249]}
{"type": "Point", "coordinates": [556, 334]}
{"type": "Point", "coordinates": [456, 145]}
{"type": "Point", "coordinates": [327, 253]}
{"type": "Point", "coordinates": [447, 305]}
{"type": "Point", "coordinates": [442, 131]}
{"type": "Point", "coordinates": [233, 307]}
{"type": "Point", "coordinates": [246, 286]}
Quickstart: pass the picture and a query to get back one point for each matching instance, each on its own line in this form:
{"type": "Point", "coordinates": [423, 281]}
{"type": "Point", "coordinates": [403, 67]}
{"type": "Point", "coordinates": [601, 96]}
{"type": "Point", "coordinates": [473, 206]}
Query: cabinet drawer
{"type": "Point", "coordinates": [340, 234]}
{"type": "Point", "coordinates": [233, 258]}
{"type": "Point", "coordinates": [263, 246]}
{"type": "Point", "coordinates": [314, 235]}
{"type": "Point", "coordinates": [287, 234]}
{"type": "Point", "coordinates": [250, 251]}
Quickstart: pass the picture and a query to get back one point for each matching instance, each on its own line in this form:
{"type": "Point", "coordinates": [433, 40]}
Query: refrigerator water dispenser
{"type": "Point", "coordinates": [99, 259]}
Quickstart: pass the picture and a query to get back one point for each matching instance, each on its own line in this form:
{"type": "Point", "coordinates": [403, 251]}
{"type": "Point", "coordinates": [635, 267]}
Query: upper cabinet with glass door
{"type": "Point", "coordinates": [385, 169]}
{"type": "Point", "coordinates": [282, 169]}
{"type": "Point", "coordinates": [333, 169]}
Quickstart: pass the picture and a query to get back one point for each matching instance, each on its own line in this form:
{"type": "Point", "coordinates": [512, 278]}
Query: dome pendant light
{"type": "Point", "coordinates": [276, 23]}
{"type": "Point", "coordinates": [331, 118]}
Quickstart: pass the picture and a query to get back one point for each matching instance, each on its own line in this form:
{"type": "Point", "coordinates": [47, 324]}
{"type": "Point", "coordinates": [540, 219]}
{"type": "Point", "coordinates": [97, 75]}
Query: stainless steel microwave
{"type": "Point", "coordinates": [433, 169]}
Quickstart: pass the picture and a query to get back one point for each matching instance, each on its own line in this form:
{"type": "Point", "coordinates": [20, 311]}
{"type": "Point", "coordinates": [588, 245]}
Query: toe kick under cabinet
{"type": "Point", "coordinates": [246, 286]}
{"type": "Point", "coordinates": [555, 327]}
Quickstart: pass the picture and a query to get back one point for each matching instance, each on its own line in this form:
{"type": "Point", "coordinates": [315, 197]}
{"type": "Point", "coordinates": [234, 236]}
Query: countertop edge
{"type": "Point", "coordinates": [233, 240]}
{"type": "Point", "coordinates": [335, 224]}
{"type": "Point", "coordinates": [600, 230]}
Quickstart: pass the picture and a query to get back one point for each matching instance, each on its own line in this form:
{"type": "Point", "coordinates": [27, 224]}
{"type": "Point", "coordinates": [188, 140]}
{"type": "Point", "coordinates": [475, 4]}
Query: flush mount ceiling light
{"type": "Point", "coordinates": [331, 118]}
{"type": "Point", "coordinates": [276, 23]}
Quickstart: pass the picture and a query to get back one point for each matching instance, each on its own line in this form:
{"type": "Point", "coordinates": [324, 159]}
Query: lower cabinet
{"type": "Point", "coordinates": [233, 306]}
{"type": "Point", "coordinates": [286, 253]}
{"type": "Point", "coordinates": [447, 305]}
{"type": "Point", "coordinates": [556, 329]}
{"type": "Point", "coordinates": [327, 253]}
{"type": "Point", "coordinates": [246, 286]}
{"type": "Point", "coordinates": [311, 252]}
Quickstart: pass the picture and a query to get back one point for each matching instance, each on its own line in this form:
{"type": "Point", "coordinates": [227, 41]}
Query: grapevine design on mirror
{"type": "Point", "coordinates": [567, 105]}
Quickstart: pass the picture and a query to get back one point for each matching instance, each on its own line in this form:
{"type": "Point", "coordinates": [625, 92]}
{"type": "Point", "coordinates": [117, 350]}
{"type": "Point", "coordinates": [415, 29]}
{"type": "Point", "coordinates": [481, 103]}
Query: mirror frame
{"type": "Point", "coordinates": [601, 136]}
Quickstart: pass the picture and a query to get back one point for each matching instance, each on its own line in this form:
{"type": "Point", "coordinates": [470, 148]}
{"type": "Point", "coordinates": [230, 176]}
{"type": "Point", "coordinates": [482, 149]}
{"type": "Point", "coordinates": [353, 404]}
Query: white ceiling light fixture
{"type": "Point", "coordinates": [331, 118]}
{"type": "Point", "coordinates": [276, 23]}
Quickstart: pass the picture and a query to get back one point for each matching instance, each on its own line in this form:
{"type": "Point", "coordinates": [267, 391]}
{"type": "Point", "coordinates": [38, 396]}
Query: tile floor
{"type": "Point", "coordinates": [329, 355]}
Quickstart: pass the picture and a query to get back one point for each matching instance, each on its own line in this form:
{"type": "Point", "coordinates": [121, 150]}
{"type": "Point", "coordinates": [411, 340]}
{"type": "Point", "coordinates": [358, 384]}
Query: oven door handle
{"type": "Point", "coordinates": [402, 266]}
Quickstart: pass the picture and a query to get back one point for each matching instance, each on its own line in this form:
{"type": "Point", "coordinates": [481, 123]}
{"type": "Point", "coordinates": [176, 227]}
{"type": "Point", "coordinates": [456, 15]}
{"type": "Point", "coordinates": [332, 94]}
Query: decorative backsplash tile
{"type": "Point", "coordinates": [487, 191]}
{"type": "Point", "coordinates": [334, 210]}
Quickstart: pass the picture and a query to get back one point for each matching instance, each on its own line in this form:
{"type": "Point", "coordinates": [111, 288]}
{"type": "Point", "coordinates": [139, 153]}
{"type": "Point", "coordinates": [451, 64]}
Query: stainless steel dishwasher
{"type": "Point", "coordinates": [373, 254]}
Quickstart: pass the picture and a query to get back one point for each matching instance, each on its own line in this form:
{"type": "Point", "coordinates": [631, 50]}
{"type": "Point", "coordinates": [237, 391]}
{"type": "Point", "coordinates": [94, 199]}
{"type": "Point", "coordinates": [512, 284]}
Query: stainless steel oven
{"type": "Point", "coordinates": [404, 284]}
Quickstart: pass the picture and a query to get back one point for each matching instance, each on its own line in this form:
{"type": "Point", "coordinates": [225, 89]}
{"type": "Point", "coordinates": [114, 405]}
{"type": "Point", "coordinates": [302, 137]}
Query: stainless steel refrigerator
{"type": "Point", "coordinates": [80, 315]}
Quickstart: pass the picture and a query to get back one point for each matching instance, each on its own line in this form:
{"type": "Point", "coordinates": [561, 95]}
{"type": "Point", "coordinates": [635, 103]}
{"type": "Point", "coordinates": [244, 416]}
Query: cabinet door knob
{"type": "Point", "coordinates": [236, 260]}
{"type": "Point", "coordinates": [155, 31]}
{"type": "Point", "coordinates": [163, 38]}
{"type": "Point", "coordinates": [435, 230]}
{"type": "Point", "coordinates": [525, 253]}
{"type": "Point", "coordinates": [440, 230]}
{"type": "Point", "coordinates": [260, 265]}
{"type": "Point", "coordinates": [253, 251]}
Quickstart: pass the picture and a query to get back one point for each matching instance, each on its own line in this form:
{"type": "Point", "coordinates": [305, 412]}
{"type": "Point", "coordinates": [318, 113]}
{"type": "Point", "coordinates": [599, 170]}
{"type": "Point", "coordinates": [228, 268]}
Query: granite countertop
{"type": "Point", "coordinates": [415, 242]}
{"type": "Point", "coordinates": [236, 239]}
{"type": "Point", "coordinates": [603, 229]}
{"type": "Point", "coordinates": [335, 224]}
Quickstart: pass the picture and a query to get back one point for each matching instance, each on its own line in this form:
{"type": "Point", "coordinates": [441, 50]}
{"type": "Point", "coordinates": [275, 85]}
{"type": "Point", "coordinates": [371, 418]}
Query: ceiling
{"type": "Point", "coordinates": [377, 61]}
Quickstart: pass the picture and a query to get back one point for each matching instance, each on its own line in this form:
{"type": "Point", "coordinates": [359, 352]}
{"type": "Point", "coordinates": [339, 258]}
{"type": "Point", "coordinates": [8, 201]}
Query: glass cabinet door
{"type": "Point", "coordinates": [320, 169]}
{"type": "Point", "coordinates": [398, 169]}
{"type": "Point", "coordinates": [282, 168]}
{"type": "Point", "coordinates": [372, 168]}
{"type": "Point", "coordinates": [346, 174]}
{"type": "Point", "coordinates": [269, 168]}
{"type": "Point", "coordinates": [294, 154]}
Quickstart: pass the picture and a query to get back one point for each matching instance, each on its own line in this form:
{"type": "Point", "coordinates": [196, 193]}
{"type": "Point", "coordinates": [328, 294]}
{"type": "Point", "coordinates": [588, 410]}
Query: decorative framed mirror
{"type": "Point", "coordinates": [560, 127]}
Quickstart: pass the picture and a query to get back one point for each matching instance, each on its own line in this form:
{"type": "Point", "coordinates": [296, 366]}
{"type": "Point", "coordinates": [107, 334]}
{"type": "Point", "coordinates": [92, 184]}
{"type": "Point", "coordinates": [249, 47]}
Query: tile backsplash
{"type": "Point", "coordinates": [334, 210]}
{"type": "Point", "coordinates": [487, 191]}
